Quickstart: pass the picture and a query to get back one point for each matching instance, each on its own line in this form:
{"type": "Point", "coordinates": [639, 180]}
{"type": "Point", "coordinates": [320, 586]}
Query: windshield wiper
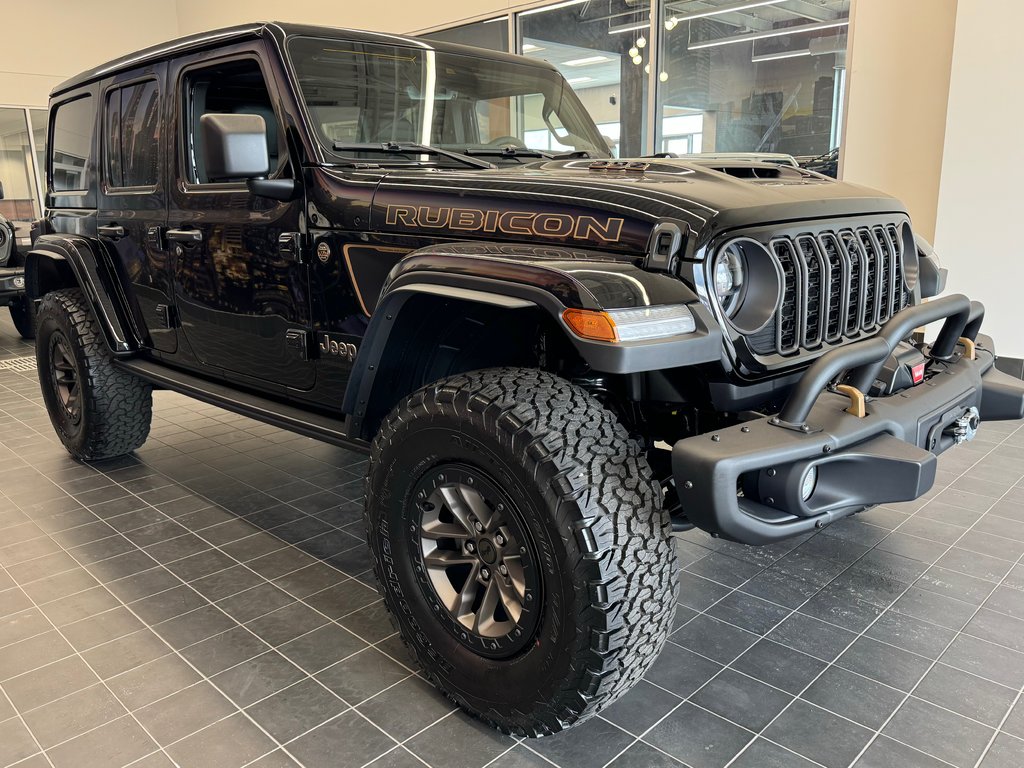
{"type": "Point", "coordinates": [402, 148]}
{"type": "Point", "coordinates": [509, 151]}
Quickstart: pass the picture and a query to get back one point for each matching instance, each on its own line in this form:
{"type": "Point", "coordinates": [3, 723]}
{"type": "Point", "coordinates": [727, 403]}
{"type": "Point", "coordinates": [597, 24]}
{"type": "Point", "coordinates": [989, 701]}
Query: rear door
{"type": "Point", "coordinates": [132, 209]}
{"type": "Point", "coordinates": [243, 307]}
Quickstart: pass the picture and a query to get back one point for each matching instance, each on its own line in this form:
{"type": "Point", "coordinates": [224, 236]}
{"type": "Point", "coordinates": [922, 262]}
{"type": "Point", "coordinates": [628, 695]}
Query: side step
{"type": "Point", "coordinates": [289, 417]}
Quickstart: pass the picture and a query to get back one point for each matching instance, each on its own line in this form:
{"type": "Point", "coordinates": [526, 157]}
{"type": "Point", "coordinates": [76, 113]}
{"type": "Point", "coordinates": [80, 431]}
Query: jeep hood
{"type": "Point", "coordinates": [601, 205]}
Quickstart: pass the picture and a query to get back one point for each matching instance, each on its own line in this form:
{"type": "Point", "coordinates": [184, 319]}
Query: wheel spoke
{"type": "Point", "coordinates": [514, 564]}
{"type": "Point", "coordinates": [510, 600]}
{"type": "Point", "coordinates": [446, 558]}
{"type": "Point", "coordinates": [463, 604]}
{"type": "Point", "coordinates": [479, 507]}
{"type": "Point", "coordinates": [435, 529]}
{"type": "Point", "coordinates": [459, 509]}
{"type": "Point", "coordinates": [484, 623]}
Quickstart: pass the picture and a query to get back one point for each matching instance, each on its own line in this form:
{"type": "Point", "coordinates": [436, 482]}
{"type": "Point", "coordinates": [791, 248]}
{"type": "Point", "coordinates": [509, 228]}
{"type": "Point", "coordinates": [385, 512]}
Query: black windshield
{"type": "Point", "coordinates": [369, 93]}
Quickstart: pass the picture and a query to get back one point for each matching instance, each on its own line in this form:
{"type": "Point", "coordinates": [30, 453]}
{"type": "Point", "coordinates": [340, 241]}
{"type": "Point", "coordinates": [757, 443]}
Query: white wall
{"type": "Point", "coordinates": [981, 197]}
{"type": "Point", "coordinates": [898, 66]}
{"type": "Point", "coordinates": [47, 41]}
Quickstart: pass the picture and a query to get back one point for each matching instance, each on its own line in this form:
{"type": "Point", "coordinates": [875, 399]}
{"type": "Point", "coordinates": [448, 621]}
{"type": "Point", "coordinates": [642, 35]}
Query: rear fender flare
{"type": "Point", "coordinates": [68, 261]}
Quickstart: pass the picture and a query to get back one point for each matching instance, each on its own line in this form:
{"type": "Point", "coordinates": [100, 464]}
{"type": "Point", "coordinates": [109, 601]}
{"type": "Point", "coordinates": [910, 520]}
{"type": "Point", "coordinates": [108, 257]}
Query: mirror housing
{"type": "Point", "coordinates": [1, 190]}
{"type": "Point", "coordinates": [234, 146]}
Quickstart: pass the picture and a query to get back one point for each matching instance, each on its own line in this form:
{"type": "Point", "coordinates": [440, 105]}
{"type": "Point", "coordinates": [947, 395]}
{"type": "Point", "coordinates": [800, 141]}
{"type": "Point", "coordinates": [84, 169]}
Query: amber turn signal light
{"type": "Point", "coordinates": [590, 324]}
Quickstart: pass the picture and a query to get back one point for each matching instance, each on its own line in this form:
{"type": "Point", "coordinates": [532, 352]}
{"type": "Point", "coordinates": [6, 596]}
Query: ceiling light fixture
{"type": "Point", "coordinates": [588, 60]}
{"type": "Point", "coordinates": [726, 9]}
{"type": "Point", "coordinates": [777, 56]}
{"type": "Point", "coordinates": [531, 48]}
{"type": "Point", "coordinates": [765, 35]}
{"type": "Point", "coordinates": [552, 7]}
{"type": "Point", "coordinates": [574, 80]}
{"type": "Point", "coordinates": [628, 28]}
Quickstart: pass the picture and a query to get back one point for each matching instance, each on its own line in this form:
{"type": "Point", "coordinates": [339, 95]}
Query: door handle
{"type": "Point", "coordinates": [114, 231]}
{"type": "Point", "coordinates": [185, 235]}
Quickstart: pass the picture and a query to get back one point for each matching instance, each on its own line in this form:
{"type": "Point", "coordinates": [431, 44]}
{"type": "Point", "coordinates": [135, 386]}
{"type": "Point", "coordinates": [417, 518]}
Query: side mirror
{"type": "Point", "coordinates": [234, 146]}
{"type": "Point", "coordinates": [1, 190]}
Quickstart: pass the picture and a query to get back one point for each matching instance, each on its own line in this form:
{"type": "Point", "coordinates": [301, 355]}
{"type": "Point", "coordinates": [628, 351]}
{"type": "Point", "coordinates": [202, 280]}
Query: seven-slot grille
{"type": "Point", "coordinates": [836, 285]}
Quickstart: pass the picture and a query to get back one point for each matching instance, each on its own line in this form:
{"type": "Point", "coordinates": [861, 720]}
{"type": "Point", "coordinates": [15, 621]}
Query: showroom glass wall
{"type": "Point", "coordinates": [727, 75]}
{"type": "Point", "coordinates": [22, 139]}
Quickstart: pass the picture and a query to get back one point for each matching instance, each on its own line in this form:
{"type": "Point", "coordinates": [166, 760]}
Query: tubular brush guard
{"type": "Point", "coordinates": [831, 452]}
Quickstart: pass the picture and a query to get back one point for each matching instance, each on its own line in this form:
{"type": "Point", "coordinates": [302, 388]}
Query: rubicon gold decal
{"type": "Point", "coordinates": [556, 225]}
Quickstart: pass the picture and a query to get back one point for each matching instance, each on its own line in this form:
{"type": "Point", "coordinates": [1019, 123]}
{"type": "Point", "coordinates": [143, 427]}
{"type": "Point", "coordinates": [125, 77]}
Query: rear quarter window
{"type": "Point", "coordinates": [71, 145]}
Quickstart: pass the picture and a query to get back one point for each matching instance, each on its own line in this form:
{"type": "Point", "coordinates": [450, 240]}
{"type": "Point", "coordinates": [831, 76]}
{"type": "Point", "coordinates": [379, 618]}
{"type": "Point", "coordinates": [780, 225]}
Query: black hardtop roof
{"type": "Point", "coordinates": [277, 29]}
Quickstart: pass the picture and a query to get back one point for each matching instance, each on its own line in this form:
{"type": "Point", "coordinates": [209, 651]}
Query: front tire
{"type": "Point", "coordinates": [98, 411]}
{"type": "Point", "coordinates": [521, 545]}
{"type": "Point", "coordinates": [23, 314]}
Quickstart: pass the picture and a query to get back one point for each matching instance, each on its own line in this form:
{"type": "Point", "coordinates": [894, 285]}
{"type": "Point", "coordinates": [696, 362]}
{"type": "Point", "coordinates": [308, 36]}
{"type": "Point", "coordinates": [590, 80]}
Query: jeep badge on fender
{"type": "Point", "coordinates": [553, 358]}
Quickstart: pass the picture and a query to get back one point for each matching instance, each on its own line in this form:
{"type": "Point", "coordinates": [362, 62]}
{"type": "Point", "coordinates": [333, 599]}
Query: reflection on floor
{"type": "Point", "coordinates": [208, 603]}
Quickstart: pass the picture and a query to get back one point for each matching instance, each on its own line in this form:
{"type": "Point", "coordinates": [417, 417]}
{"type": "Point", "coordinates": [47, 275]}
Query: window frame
{"type": "Point", "coordinates": [185, 149]}
{"type": "Point", "coordinates": [50, 149]}
{"type": "Point", "coordinates": [108, 183]}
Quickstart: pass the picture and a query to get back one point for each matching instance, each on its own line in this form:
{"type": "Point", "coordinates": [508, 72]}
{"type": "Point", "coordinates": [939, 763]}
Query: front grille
{"type": "Point", "coordinates": [837, 284]}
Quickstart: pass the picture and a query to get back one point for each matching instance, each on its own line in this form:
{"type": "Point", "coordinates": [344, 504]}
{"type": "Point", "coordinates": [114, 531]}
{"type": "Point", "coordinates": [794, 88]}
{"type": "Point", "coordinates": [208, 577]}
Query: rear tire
{"type": "Point", "coordinates": [23, 313]}
{"type": "Point", "coordinates": [98, 411]}
{"type": "Point", "coordinates": [589, 597]}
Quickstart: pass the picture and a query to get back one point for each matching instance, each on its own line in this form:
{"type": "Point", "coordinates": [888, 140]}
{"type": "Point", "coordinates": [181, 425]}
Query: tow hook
{"type": "Point", "coordinates": [965, 428]}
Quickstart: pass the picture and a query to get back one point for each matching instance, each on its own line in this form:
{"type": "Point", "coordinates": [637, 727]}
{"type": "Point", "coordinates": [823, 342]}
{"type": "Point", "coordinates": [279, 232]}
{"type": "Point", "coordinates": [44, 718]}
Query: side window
{"type": "Point", "coordinates": [71, 146]}
{"type": "Point", "coordinates": [235, 87]}
{"type": "Point", "coordinates": [133, 135]}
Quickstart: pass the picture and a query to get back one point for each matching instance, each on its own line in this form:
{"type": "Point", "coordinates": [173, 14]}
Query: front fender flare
{"type": "Point", "coordinates": [550, 279]}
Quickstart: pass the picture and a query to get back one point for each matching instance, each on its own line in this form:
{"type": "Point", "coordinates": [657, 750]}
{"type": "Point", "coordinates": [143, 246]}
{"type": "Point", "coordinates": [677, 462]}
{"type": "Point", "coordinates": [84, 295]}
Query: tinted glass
{"type": "Point", "coordinates": [365, 93]}
{"type": "Point", "coordinates": [16, 167]}
{"type": "Point", "coordinates": [603, 50]}
{"type": "Point", "coordinates": [72, 144]}
{"type": "Point", "coordinates": [236, 87]}
{"type": "Point", "coordinates": [140, 134]}
{"type": "Point", "coordinates": [765, 77]}
{"type": "Point", "coordinates": [133, 135]}
{"type": "Point", "coordinates": [37, 117]}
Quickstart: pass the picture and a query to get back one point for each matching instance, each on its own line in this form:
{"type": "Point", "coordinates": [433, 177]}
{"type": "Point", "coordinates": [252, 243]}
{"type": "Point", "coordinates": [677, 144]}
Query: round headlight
{"type": "Point", "coordinates": [746, 283]}
{"type": "Point", "coordinates": [730, 275]}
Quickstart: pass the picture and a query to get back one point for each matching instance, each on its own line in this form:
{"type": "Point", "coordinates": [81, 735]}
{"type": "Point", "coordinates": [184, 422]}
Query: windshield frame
{"type": "Point", "coordinates": [330, 156]}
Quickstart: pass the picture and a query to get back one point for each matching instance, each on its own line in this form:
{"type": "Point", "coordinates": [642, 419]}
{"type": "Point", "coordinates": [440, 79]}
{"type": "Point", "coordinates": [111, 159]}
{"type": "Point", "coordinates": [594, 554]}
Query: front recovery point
{"type": "Point", "coordinates": [832, 451]}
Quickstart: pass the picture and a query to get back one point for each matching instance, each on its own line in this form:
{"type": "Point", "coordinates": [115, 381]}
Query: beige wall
{"type": "Point", "coordinates": [980, 197]}
{"type": "Point", "coordinates": [380, 15]}
{"type": "Point", "coordinates": [898, 74]}
{"type": "Point", "coordinates": [47, 41]}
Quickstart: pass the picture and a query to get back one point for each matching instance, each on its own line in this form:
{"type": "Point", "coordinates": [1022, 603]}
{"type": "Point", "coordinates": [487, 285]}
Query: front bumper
{"type": "Point", "coordinates": [12, 283]}
{"type": "Point", "coordinates": [746, 482]}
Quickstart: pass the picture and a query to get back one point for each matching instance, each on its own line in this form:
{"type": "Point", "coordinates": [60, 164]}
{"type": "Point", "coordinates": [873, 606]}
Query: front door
{"type": "Point", "coordinates": [243, 308]}
{"type": "Point", "coordinates": [132, 210]}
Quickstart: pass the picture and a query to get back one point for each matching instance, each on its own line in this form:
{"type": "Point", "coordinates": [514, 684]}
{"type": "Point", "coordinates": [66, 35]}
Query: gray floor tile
{"type": "Point", "coordinates": [698, 738]}
{"type": "Point", "coordinates": [938, 732]}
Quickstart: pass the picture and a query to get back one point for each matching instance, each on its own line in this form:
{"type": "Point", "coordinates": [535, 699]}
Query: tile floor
{"type": "Point", "coordinates": [208, 603]}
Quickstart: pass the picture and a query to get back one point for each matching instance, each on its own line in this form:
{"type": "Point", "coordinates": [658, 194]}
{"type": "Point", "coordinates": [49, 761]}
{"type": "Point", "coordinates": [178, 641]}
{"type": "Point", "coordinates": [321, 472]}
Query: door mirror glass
{"type": "Point", "coordinates": [234, 146]}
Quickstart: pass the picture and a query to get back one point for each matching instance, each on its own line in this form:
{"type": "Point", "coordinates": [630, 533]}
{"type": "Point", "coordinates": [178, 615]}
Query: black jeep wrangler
{"type": "Point", "coordinates": [12, 279]}
{"type": "Point", "coordinates": [553, 357]}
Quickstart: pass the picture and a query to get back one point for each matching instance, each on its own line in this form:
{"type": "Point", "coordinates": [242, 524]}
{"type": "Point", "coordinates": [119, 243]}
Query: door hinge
{"type": "Point", "coordinates": [168, 315]}
{"type": "Point", "coordinates": [299, 340]}
{"type": "Point", "coordinates": [292, 246]}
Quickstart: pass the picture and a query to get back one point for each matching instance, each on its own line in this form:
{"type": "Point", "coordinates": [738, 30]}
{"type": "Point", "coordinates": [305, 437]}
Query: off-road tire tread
{"type": "Point", "coordinates": [119, 404]}
{"type": "Point", "coordinates": [624, 560]}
